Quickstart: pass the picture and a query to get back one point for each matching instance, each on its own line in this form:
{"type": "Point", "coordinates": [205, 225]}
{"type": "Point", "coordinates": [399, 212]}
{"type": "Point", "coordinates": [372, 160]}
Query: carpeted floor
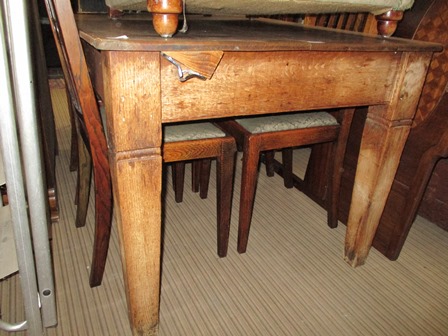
{"type": "Point", "coordinates": [292, 280]}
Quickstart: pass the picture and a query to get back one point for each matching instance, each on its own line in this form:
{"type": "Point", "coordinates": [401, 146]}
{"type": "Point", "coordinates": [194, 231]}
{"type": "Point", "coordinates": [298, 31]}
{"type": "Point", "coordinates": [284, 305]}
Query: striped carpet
{"type": "Point", "coordinates": [291, 281]}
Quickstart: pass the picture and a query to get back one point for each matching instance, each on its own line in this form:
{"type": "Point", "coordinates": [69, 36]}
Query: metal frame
{"type": "Point", "coordinates": [19, 120]}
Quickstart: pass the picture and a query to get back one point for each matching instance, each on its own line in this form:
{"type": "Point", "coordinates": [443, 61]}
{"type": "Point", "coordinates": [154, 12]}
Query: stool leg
{"type": "Point", "coordinates": [251, 156]}
{"type": "Point", "coordinates": [288, 179]}
{"type": "Point", "coordinates": [206, 165]}
{"type": "Point", "coordinates": [269, 162]}
{"type": "Point", "coordinates": [195, 175]}
{"type": "Point", "coordinates": [225, 167]}
{"type": "Point", "coordinates": [178, 180]}
{"type": "Point", "coordinates": [333, 186]}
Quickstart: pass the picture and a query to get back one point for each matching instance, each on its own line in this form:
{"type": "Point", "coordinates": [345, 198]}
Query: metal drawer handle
{"type": "Point", "coordinates": [184, 75]}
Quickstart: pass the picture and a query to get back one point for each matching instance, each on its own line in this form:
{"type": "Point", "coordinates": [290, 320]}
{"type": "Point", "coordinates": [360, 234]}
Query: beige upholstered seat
{"type": "Point", "coordinates": [287, 122]}
{"type": "Point", "coordinates": [191, 131]}
{"type": "Point", "coordinates": [267, 7]}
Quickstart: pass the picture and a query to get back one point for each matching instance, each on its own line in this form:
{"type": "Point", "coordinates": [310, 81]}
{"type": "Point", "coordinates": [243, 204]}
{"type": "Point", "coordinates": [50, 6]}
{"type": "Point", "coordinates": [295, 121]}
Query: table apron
{"type": "Point", "coordinates": [250, 83]}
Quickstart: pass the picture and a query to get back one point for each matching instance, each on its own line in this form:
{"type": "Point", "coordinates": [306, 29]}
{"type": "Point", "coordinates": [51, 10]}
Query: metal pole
{"type": "Point", "coordinates": [18, 21]}
{"type": "Point", "coordinates": [16, 195]}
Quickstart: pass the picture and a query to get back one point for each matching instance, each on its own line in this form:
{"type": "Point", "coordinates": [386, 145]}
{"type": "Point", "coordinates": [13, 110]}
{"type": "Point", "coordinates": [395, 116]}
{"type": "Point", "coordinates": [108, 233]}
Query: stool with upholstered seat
{"type": "Point", "coordinates": [201, 142]}
{"type": "Point", "coordinates": [260, 134]}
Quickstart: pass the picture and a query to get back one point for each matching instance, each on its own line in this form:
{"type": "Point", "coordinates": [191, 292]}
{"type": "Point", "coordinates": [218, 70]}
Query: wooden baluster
{"type": "Point", "coordinates": [165, 15]}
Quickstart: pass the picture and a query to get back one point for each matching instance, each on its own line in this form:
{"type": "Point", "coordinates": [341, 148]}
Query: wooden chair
{"type": "Point", "coordinates": [182, 142]}
{"type": "Point", "coordinates": [260, 134]}
{"type": "Point", "coordinates": [91, 137]}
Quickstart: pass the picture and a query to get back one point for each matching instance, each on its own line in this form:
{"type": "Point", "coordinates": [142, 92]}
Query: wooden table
{"type": "Point", "coordinates": [252, 67]}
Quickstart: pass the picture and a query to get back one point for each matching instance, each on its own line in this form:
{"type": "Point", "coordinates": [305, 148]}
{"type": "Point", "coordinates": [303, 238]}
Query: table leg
{"type": "Point", "coordinates": [132, 97]}
{"type": "Point", "coordinates": [139, 230]}
{"type": "Point", "coordinates": [385, 133]}
{"type": "Point", "coordinates": [381, 148]}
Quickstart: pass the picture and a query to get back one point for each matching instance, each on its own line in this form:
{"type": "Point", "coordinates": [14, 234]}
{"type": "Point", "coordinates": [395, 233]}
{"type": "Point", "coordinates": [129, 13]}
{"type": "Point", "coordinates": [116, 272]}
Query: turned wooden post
{"type": "Point", "coordinates": [165, 15]}
{"type": "Point", "coordinates": [387, 22]}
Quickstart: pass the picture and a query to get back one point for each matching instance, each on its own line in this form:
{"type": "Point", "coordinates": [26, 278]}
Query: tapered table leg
{"type": "Point", "coordinates": [386, 130]}
{"type": "Point", "coordinates": [134, 133]}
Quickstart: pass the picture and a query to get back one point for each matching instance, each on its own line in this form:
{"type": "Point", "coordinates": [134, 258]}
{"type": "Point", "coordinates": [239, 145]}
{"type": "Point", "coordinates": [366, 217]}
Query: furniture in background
{"type": "Point", "coordinates": [358, 22]}
{"type": "Point", "coordinates": [8, 256]}
{"type": "Point", "coordinates": [434, 205]}
{"type": "Point", "coordinates": [282, 132]}
{"type": "Point", "coordinates": [426, 145]}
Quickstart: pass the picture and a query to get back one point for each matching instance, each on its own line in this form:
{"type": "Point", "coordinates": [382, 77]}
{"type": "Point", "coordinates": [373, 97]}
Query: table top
{"type": "Point", "coordinates": [136, 33]}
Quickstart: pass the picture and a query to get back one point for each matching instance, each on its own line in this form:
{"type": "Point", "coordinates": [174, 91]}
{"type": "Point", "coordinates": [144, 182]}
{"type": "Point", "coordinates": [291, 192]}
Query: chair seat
{"type": "Point", "coordinates": [192, 131]}
{"type": "Point", "coordinates": [285, 122]}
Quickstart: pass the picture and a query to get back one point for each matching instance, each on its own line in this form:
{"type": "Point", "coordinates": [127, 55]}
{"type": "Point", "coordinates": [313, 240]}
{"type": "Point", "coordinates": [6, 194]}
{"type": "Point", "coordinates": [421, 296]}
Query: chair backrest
{"type": "Point", "coordinates": [357, 22]}
{"type": "Point", "coordinates": [73, 62]}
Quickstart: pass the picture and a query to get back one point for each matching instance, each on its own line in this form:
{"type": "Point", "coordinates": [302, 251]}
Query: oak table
{"type": "Point", "coordinates": [235, 67]}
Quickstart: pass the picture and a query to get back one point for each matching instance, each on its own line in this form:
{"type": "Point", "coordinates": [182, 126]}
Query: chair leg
{"type": "Point", "coordinates": [74, 137]}
{"type": "Point", "coordinates": [178, 180]}
{"type": "Point", "coordinates": [225, 168]}
{"type": "Point", "coordinates": [288, 177]}
{"type": "Point", "coordinates": [251, 156]}
{"type": "Point", "coordinates": [103, 224]}
{"type": "Point", "coordinates": [83, 183]}
{"type": "Point", "coordinates": [206, 165]}
{"type": "Point", "coordinates": [269, 162]}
